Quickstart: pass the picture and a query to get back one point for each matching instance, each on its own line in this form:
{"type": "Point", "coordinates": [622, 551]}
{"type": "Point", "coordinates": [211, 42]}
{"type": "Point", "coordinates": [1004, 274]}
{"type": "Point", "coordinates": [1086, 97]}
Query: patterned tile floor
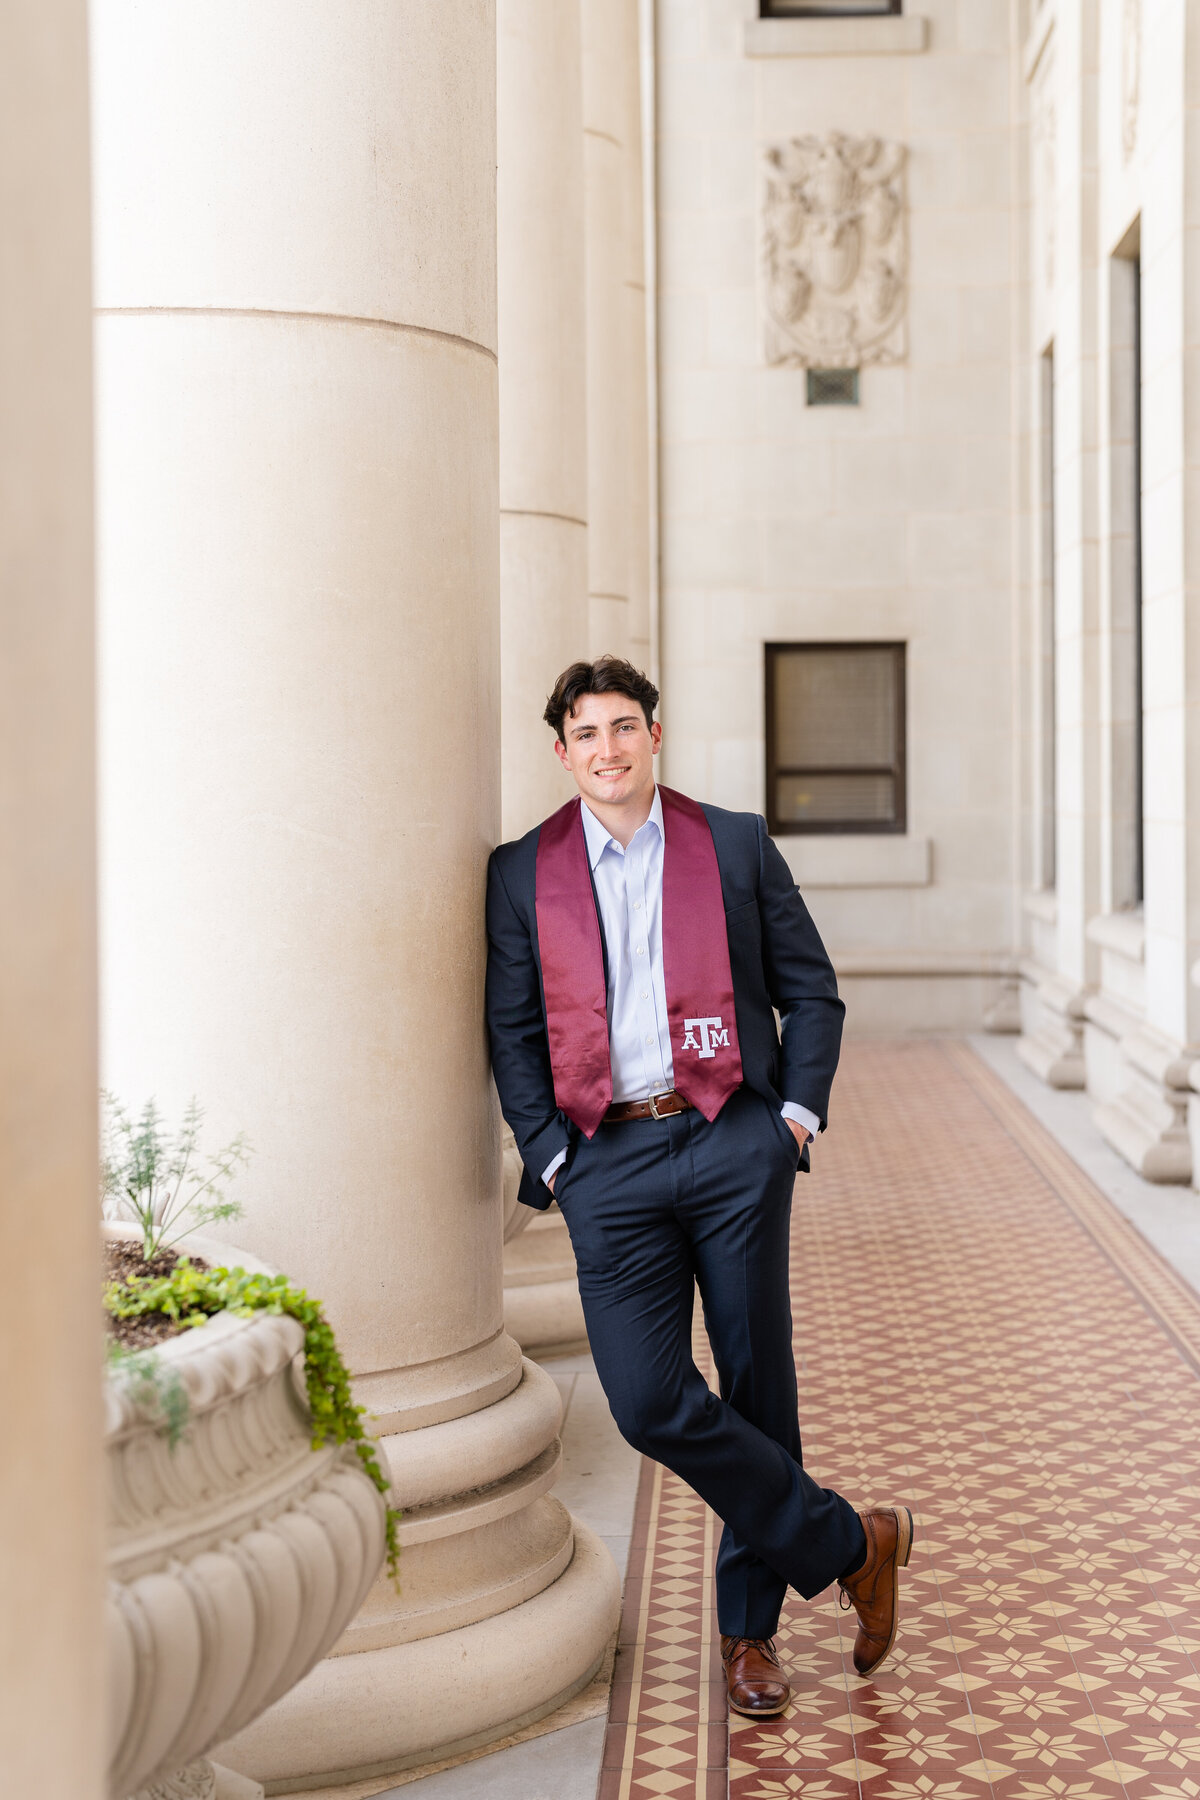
{"type": "Point", "coordinates": [979, 1333]}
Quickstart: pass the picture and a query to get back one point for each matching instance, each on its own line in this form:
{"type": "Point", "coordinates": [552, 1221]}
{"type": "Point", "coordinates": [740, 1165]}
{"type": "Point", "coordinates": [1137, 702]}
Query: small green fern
{"type": "Point", "coordinates": [158, 1177]}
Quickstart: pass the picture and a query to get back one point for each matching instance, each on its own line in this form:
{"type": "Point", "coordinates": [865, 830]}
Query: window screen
{"type": "Point", "coordinates": [823, 9]}
{"type": "Point", "coordinates": [835, 737]}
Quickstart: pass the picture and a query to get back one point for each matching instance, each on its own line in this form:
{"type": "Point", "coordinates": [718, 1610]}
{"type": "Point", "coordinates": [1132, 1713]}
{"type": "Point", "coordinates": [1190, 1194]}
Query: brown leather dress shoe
{"type": "Point", "coordinates": [872, 1590]}
{"type": "Point", "coordinates": [756, 1685]}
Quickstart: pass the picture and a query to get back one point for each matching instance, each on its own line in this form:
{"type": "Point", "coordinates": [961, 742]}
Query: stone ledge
{"type": "Point", "coordinates": [905, 964]}
{"type": "Point", "coordinates": [882, 35]}
{"type": "Point", "coordinates": [1109, 1016]}
{"type": "Point", "coordinates": [1124, 932]}
{"type": "Point", "coordinates": [868, 861]}
{"type": "Point", "coordinates": [1040, 903]}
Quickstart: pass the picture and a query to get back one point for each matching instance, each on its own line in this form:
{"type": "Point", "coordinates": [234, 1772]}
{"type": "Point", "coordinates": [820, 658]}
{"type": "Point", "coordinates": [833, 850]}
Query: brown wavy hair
{"type": "Point", "coordinates": [607, 675]}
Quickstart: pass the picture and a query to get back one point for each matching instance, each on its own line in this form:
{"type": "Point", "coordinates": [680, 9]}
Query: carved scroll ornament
{"type": "Point", "coordinates": [836, 257]}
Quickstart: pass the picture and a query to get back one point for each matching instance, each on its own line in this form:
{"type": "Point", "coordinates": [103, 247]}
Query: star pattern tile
{"type": "Point", "coordinates": [981, 1335]}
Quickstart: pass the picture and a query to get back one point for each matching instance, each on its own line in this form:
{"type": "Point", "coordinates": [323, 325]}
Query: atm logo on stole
{"type": "Point", "coordinates": [713, 1036]}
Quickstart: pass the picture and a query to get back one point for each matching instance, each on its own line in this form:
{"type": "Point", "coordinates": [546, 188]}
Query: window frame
{"type": "Point", "coordinates": [829, 9]}
{"type": "Point", "coordinates": [897, 769]}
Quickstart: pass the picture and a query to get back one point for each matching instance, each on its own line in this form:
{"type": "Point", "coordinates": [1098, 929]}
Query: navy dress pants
{"type": "Point", "coordinates": [656, 1208]}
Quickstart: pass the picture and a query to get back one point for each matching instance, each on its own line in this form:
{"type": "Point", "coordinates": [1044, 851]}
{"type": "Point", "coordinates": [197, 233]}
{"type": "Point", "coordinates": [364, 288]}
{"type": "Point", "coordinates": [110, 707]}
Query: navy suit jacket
{"type": "Point", "coordinates": [776, 957]}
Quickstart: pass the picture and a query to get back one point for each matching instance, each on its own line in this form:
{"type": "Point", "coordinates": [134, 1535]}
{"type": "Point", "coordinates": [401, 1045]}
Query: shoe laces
{"type": "Point", "coordinates": [738, 1644]}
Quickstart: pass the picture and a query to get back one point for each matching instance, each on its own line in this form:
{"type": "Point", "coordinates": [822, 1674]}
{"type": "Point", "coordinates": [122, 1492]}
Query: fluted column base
{"type": "Point", "coordinates": [379, 1711]}
{"type": "Point", "coordinates": [1052, 1043]}
{"type": "Point", "coordinates": [505, 1605]}
{"type": "Point", "coordinates": [1146, 1120]}
{"type": "Point", "coordinates": [542, 1308]}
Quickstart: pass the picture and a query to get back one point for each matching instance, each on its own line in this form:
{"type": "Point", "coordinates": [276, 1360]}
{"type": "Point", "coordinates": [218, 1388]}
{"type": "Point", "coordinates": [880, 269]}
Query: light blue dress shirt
{"type": "Point", "coordinates": [629, 890]}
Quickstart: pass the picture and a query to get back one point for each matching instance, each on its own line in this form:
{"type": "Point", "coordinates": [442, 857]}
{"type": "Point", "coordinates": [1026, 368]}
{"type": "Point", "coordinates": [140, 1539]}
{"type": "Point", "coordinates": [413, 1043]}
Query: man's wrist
{"type": "Point", "coordinates": [551, 1169]}
{"type": "Point", "coordinates": [800, 1115]}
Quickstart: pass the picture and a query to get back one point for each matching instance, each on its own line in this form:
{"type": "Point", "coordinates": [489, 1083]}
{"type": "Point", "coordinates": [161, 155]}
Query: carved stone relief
{"type": "Point", "coordinates": [1131, 74]}
{"type": "Point", "coordinates": [836, 253]}
{"type": "Point", "coordinates": [202, 1780]}
{"type": "Point", "coordinates": [197, 1782]}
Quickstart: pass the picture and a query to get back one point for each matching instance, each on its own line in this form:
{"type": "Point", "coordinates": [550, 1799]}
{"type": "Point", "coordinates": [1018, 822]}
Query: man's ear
{"type": "Point", "coordinates": [560, 750]}
{"type": "Point", "coordinates": [655, 738]}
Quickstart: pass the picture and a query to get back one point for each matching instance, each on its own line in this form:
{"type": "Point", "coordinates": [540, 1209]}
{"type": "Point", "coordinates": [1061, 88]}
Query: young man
{"type": "Point", "coordinates": [638, 944]}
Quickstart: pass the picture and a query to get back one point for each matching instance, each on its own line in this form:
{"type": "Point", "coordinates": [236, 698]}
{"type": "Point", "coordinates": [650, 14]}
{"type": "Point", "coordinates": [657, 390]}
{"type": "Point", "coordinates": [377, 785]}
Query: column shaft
{"type": "Point", "coordinates": [618, 497]}
{"type": "Point", "coordinates": [51, 1550]}
{"type": "Point", "coordinates": [300, 526]}
{"type": "Point", "coordinates": [543, 504]}
{"type": "Point", "coordinates": [543, 418]}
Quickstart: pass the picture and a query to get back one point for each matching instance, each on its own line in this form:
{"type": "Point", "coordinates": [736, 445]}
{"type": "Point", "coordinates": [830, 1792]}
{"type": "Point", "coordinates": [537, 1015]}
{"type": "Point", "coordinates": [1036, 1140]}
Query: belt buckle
{"type": "Point", "coordinates": [654, 1112]}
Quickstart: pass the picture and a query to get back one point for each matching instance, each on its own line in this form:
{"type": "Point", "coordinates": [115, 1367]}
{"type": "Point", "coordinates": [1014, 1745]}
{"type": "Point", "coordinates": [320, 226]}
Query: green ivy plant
{"type": "Point", "coordinates": [157, 1178]}
{"type": "Point", "coordinates": [190, 1295]}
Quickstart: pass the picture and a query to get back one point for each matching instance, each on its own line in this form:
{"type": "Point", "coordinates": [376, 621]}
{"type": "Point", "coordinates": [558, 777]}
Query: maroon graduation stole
{"type": "Point", "coordinates": [700, 1010]}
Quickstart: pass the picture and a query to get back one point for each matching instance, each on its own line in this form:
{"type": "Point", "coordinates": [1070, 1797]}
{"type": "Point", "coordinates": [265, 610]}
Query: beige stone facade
{"type": "Point", "coordinates": [1109, 739]}
{"type": "Point", "coordinates": [784, 522]}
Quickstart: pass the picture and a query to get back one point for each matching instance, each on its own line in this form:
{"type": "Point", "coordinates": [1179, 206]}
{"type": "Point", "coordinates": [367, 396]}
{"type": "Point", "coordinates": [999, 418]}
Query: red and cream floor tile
{"type": "Point", "coordinates": [980, 1334]}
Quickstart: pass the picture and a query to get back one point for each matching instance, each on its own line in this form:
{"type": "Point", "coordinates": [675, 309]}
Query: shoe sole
{"type": "Point", "coordinates": [905, 1533]}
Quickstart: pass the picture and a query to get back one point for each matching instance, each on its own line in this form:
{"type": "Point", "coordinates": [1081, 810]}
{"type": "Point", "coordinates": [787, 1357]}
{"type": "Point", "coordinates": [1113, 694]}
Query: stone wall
{"type": "Point", "coordinates": [1114, 919]}
{"type": "Point", "coordinates": [890, 520]}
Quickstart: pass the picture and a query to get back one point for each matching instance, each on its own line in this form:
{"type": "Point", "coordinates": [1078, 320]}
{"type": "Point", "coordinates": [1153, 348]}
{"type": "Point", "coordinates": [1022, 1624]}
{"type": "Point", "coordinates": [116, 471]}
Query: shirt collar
{"type": "Point", "coordinates": [598, 837]}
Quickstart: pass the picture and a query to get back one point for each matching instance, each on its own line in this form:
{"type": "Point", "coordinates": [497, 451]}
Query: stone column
{"type": "Point", "coordinates": [616, 365]}
{"type": "Point", "coordinates": [51, 1550]}
{"type": "Point", "coordinates": [299, 528]}
{"type": "Point", "coordinates": [1145, 1104]}
{"type": "Point", "coordinates": [1063, 213]}
{"type": "Point", "coordinates": [637, 369]}
{"type": "Point", "coordinates": [543, 397]}
{"type": "Point", "coordinates": [543, 509]}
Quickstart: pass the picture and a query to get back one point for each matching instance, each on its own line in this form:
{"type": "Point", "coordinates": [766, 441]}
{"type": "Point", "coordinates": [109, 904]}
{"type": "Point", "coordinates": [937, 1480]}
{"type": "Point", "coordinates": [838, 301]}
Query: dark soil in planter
{"type": "Point", "coordinates": [124, 1259]}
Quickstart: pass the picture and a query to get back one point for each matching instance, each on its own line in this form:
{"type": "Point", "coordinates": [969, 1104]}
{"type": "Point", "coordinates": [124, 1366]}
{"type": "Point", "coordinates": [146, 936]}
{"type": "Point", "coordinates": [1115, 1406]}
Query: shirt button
{"type": "Point", "coordinates": [649, 1040]}
{"type": "Point", "coordinates": [645, 995]}
{"type": "Point", "coordinates": [641, 949]}
{"type": "Point", "coordinates": [637, 906]}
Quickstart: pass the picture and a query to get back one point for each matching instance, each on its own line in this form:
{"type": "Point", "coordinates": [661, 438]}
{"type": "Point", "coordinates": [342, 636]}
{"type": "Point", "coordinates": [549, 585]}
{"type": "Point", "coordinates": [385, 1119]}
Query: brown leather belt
{"type": "Point", "coordinates": [658, 1106]}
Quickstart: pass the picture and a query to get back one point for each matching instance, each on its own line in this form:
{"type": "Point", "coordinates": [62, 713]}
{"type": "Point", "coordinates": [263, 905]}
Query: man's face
{"type": "Point", "coordinates": [610, 749]}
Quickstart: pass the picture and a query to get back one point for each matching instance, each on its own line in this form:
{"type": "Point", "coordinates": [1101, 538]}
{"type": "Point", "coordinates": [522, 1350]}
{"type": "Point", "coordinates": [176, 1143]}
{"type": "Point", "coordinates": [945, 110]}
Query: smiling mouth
{"type": "Point", "coordinates": [611, 774]}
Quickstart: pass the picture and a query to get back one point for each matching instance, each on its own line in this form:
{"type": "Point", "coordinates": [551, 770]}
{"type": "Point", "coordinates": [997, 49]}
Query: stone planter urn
{"type": "Point", "coordinates": [236, 1557]}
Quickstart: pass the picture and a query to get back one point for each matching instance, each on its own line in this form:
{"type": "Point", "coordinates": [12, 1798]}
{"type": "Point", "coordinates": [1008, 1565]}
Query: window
{"type": "Point", "coordinates": [831, 387]}
{"type": "Point", "coordinates": [824, 9]}
{"type": "Point", "coordinates": [1126, 685]}
{"type": "Point", "coordinates": [1045, 676]}
{"type": "Point", "coordinates": [835, 738]}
